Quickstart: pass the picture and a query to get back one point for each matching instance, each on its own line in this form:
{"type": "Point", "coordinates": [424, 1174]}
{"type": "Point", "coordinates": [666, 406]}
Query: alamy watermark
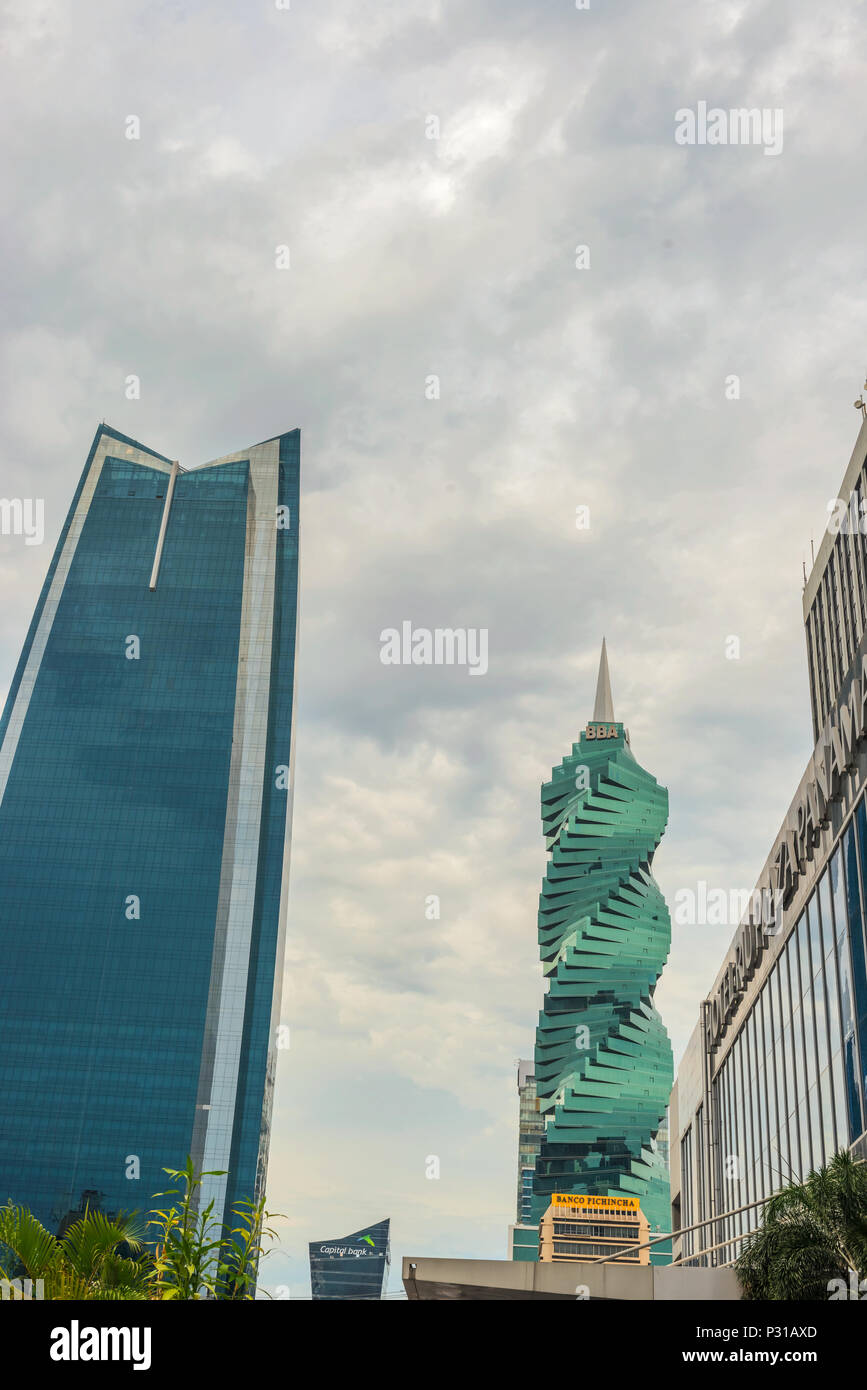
{"type": "Point", "coordinates": [851, 520]}
{"type": "Point", "coordinates": [855, 1289]}
{"type": "Point", "coordinates": [703, 906]}
{"type": "Point", "coordinates": [23, 516]}
{"type": "Point", "coordinates": [22, 1290]}
{"type": "Point", "coordinates": [77, 1343]}
{"type": "Point", "coordinates": [740, 126]}
{"type": "Point", "coordinates": [441, 646]}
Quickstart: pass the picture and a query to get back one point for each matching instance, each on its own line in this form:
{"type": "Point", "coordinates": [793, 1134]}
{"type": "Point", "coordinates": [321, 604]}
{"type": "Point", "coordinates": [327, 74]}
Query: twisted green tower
{"type": "Point", "coordinates": [603, 1059]}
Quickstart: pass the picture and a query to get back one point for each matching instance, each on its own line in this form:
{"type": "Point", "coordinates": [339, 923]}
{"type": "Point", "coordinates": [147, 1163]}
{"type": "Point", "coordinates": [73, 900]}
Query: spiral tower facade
{"type": "Point", "coordinates": [604, 1065]}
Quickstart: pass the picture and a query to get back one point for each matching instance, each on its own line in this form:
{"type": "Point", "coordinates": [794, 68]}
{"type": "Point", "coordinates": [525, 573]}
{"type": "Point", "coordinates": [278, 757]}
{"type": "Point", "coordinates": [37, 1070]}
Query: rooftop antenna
{"type": "Point", "coordinates": [860, 404]}
{"type": "Point", "coordinates": [603, 709]}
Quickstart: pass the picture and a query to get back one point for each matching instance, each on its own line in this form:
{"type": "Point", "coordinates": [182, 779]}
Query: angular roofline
{"type": "Point", "coordinates": [109, 431]}
{"type": "Point", "coordinates": [112, 433]}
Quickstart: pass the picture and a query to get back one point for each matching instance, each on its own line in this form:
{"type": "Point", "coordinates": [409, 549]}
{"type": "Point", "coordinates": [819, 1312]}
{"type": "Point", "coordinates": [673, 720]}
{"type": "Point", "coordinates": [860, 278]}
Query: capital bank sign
{"type": "Point", "coordinates": [365, 1245]}
{"type": "Point", "coordinates": [834, 754]}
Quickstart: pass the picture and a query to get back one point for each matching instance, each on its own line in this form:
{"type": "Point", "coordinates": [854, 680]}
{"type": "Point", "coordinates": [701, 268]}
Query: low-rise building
{"type": "Point", "coordinates": [579, 1227]}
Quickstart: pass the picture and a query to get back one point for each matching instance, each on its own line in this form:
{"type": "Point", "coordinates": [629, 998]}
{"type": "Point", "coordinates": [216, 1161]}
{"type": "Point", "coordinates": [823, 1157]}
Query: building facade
{"type": "Point", "coordinates": [352, 1267]}
{"type": "Point", "coordinates": [594, 1228]}
{"type": "Point", "coordinates": [603, 1058]}
{"type": "Point", "coordinates": [524, 1235]}
{"type": "Point", "coordinates": [531, 1128]}
{"type": "Point", "coordinates": [774, 1078]}
{"type": "Point", "coordinates": [145, 816]}
{"type": "Point", "coordinates": [835, 595]}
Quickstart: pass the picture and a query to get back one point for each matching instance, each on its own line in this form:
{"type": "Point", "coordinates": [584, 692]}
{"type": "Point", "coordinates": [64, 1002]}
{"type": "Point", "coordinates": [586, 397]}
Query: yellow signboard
{"type": "Point", "coordinates": [580, 1199]}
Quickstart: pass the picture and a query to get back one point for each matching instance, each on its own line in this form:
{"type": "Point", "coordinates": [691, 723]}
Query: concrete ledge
{"type": "Point", "coordinates": [715, 1285]}
{"type": "Point", "coordinates": [444, 1279]}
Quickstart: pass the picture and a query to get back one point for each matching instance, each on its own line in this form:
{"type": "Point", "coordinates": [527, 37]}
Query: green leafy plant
{"type": "Point", "coordinates": [187, 1248]}
{"type": "Point", "coordinates": [811, 1234]}
{"type": "Point", "coordinates": [95, 1259]}
{"type": "Point", "coordinates": [243, 1248]}
{"type": "Point", "coordinates": [191, 1255]}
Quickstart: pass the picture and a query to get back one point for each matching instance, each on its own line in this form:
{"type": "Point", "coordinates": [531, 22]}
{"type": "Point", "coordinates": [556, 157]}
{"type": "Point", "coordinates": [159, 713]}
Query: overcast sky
{"type": "Point", "coordinates": [600, 386]}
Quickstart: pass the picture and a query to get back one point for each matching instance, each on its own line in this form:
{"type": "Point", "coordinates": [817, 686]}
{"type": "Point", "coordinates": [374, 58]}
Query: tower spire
{"type": "Point", "coordinates": [603, 710]}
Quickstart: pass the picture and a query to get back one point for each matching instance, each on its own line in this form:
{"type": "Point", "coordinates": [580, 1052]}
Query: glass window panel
{"type": "Point", "coordinates": [853, 1099]}
{"type": "Point", "coordinates": [793, 1046]}
{"type": "Point", "coordinates": [803, 1122]}
{"type": "Point", "coordinates": [699, 1175]}
{"type": "Point", "coordinates": [809, 1036]}
{"type": "Point", "coordinates": [719, 1119]}
{"type": "Point", "coordinates": [797, 1023]}
{"type": "Point", "coordinates": [814, 931]}
{"type": "Point", "coordinates": [738, 1125]}
{"type": "Point", "coordinates": [826, 1101]}
{"type": "Point", "coordinates": [838, 891]}
{"type": "Point", "coordinates": [816, 1153]}
{"type": "Point", "coordinates": [800, 944]}
{"type": "Point", "coordinates": [847, 999]}
{"type": "Point", "coordinates": [760, 1121]}
{"type": "Point", "coordinates": [856, 937]}
{"type": "Point", "coordinates": [820, 1018]}
{"type": "Point", "coordinates": [732, 1186]}
{"type": "Point", "coordinates": [776, 1010]}
{"type": "Point", "coordinates": [846, 995]}
{"type": "Point", "coordinates": [749, 1118]}
{"type": "Point", "coordinates": [726, 1151]}
{"type": "Point", "coordinates": [840, 1097]}
{"type": "Point", "coordinates": [826, 912]}
{"type": "Point", "coordinates": [748, 1104]}
{"type": "Point", "coordinates": [789, 1071]}
{"type": "Point", "coordinates": [771, 1084]}
{"type": "Point", "coordinates": [823, 1058]}
{"type": "Point", "coordinates": [762, 1109]}
{"type": "Point", "coordinates": [832, 1000]}
{"type": "Point", "coordinates": [686, 1181]}
{"type": "Point", "coordinates": [782, 1079]}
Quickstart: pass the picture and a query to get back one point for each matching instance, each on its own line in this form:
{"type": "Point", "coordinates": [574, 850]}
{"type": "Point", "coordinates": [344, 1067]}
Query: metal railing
{"type": "Point", "coordinates": [686, 1230]}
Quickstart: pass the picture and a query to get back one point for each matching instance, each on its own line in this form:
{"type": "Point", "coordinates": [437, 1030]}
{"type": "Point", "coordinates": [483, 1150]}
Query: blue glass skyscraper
{"type": "Point", "coordinates": [146, 753]}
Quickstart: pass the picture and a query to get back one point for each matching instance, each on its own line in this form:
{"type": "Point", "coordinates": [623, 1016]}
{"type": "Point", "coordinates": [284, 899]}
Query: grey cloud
{"type": "Point", "coordinates": [559, 387]}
